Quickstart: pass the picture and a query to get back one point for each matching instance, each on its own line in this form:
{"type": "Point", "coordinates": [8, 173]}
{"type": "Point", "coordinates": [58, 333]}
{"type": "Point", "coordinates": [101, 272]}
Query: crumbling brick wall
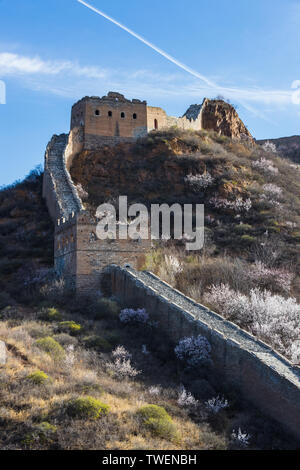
{"type": "Point", "coordinates": [80, 257]}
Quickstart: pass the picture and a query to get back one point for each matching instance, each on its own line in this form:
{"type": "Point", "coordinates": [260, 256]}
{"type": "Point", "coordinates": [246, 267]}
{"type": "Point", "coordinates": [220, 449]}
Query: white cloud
{"type": "Point", "coordinates": [72, 80]}
{"type": "Point", "coordinates": [15, 64]}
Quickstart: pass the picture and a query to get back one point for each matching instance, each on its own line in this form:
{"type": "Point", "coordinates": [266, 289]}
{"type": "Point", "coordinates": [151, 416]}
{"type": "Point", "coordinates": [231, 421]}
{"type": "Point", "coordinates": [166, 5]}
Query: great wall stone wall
{"type": "Point", "coordinates": [58, 189]}
{"type": "Point", "coordinates": [79, 256]}
{"type": "Point", "coordinates": [113, 118]}
{"type": "Point", "coordinates": [252, 368]}
{"type": "Point", "coordinates": [261, 376]}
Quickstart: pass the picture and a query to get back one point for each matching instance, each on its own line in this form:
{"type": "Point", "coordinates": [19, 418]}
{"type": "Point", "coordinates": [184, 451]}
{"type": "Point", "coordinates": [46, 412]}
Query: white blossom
{"type": "Point", "coordinates": [269, 147]}
{"type": "Point", "coordinates": [194, 350]}
{"type": "Point", "coordinates": [272, 318]}
{"type": "Point", "coordinates": [266, 166]}
{"type": "Point", "coordinates": [241, 438]}
{"type": "Point", "coordinates": [186, 399]}
{"type": "Point", "coordinates": [199, 182]}
{"type": "Point", "coordinates": [129, 315]}
{"type": "Point", "coordinates": [216, 404]}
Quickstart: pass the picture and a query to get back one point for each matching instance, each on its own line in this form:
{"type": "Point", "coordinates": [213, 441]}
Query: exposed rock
{"type": "Point", "coordinates": [221, 117]}
{"type": "Point", "coordinates": [3, 353]}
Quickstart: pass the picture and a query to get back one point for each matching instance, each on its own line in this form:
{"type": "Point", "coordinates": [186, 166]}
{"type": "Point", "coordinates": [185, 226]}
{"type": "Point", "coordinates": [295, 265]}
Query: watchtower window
{"type": "Point", "coordinates": [123, 115]}
{"type": "Point", "coordinates": [134, 116]}
{"type": "Point", "coordinates": [97, 112]}
{"type": "Point", "coordinates": [109, 113]}
{"type": "Point", "coordinates": [155, 124]}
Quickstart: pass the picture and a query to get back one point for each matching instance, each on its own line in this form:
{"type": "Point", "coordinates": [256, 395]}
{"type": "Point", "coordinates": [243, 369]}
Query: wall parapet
{"type": "Point", "coordinates": [58, 188]}
{"type": "Point", "coordinates": [74, 145]}
{"type": "Point", "coordinates": [261, 375]}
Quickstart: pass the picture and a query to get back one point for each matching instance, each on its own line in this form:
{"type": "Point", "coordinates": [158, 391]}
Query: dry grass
{"type": "Point", "coordinates": [36, 416]}
{"type": "Point", "coordinates": [24, 405]}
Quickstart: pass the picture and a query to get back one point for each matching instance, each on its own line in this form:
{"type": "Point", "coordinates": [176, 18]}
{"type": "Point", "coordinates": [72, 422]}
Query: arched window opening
{"type": "Point", "coordinates": [134, 116]}
{"type": "Point", "coordinates": [122, 115]}
{"type": "Point", "coordinates": [97, 112]}
{"type": "Point", "coordinates": [155, 124]}
{"type": "Point", "coordinates": [109, 113]}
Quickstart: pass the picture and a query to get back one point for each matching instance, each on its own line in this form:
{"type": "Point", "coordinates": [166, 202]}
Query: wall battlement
{"type": "Point", "coordinates": [113, 118]}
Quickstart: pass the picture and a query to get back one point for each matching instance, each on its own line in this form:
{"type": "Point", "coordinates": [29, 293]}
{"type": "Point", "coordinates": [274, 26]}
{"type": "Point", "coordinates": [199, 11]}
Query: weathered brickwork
{"type": "Point", "coordinates": [113, 118]}
{"type": "Point", "coordinates": [110, 116]}
{"type": "Point", "coordinates": [80, 257]}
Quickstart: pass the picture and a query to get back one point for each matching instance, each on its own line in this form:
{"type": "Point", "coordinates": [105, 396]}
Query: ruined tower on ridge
{"type": "Point", "coordinates": [79, 256]}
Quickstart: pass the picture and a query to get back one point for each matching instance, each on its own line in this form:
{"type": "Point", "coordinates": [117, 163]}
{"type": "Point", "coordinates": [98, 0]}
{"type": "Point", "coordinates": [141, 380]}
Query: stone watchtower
{"type": "Point", "coordinates": [79, 256]}
{"type": "Point", "coordinates": [109, 120]}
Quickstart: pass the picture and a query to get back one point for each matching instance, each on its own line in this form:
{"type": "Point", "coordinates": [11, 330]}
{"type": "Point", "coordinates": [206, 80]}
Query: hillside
{"type": "Point", "coordinates": [250, 195]}
{"type": "Point", "coordinates": [66, 384]}
{"type": "Point", "coordinates": [252, 206]}
{"type": "Point", "coordinates": [287, 147]}
{"type": "Point", "coordinates": [26, 239]}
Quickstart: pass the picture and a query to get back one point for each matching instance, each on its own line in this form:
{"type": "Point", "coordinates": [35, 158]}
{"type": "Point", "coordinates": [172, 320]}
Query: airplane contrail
{"type": "Point", "coordinates": [188, 69]}
{"type": "Point", "coordinates": [152, 46]}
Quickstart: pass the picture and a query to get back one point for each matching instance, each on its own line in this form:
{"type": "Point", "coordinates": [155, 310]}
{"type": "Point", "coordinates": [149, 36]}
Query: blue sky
{"type": "Point", "coordinates": [53, 52]}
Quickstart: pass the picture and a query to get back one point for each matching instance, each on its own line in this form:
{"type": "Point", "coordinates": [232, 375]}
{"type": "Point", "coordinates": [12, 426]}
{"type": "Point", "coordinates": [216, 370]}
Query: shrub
{"type": "Point", "coordinates": [270, 317]}
{"type": "Point", "coordinates": [46, 427]}
{"type": "Point", "coordinates": [241, 438]}
{"type": "Point", "coordinates": [106, 308]}
{"type": "Point", "coordinates": [51, 347]}
{"type": "Point", "coordinates": [129, 315]}
{"type": "Point", "coordinates": [216, 404]}
{"type": "Point", "coordinates": [39, 330]}
{"type": "Point", "coordinates": [266, 166]}
{"type": "Point", "coordinates": [238, 205]}
{"type": "Point", "coordinates": [97, 342]}
{"type": "Point", "coordinates": [113, 337]}
{"type": "Point", "coordinates": [121, 353]}
{"type": "Point", "coordinates": [243, 228]}
{"type": "Point", "coordinates": [248, 239]}
{"type": "Point", "coordinates": [38, 377]}
{"type": "Point", "coordinates": [154, 390]}
{"type": "Point", "coordinates": [55, 291]}
{"type": "Point", "coordinates": [50, 314]}
{"type": "Point", "coordinates": [186, 399]}
{"type": "Point", "coordinates": [269, 147]}
{"type": "Point", "coordinates": [65, 340]}
{"type": "Point", "coordinates": [70, 327]}
{"type": "Point", "coordinates": [194, 351]}
{"type": "Point", "coordinates": [199, 182]}
{"type": "Point", "coordinates": [121, 367]}
{"type": "Point", "coordinates": [42, 433]}
{"type": "Point", "coordinates": [272, 190]}
{"type": "Point", "coordinates": [86, 408]}
{"type": "Point", "coordinates": [275, 279]}
{"type": "Point", "coordinates": [157, 421]}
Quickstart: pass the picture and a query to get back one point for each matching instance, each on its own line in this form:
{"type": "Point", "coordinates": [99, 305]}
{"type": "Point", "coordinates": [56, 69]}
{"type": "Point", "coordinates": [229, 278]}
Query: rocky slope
{"type": "Point", "coordinates": [249, 194]}
{"type": "Point", "coordinates": [221, 117]}
{"type": "Point", "coordinates": [287, 147]}
{"type": "Point", "coordinates": [26, 238]}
